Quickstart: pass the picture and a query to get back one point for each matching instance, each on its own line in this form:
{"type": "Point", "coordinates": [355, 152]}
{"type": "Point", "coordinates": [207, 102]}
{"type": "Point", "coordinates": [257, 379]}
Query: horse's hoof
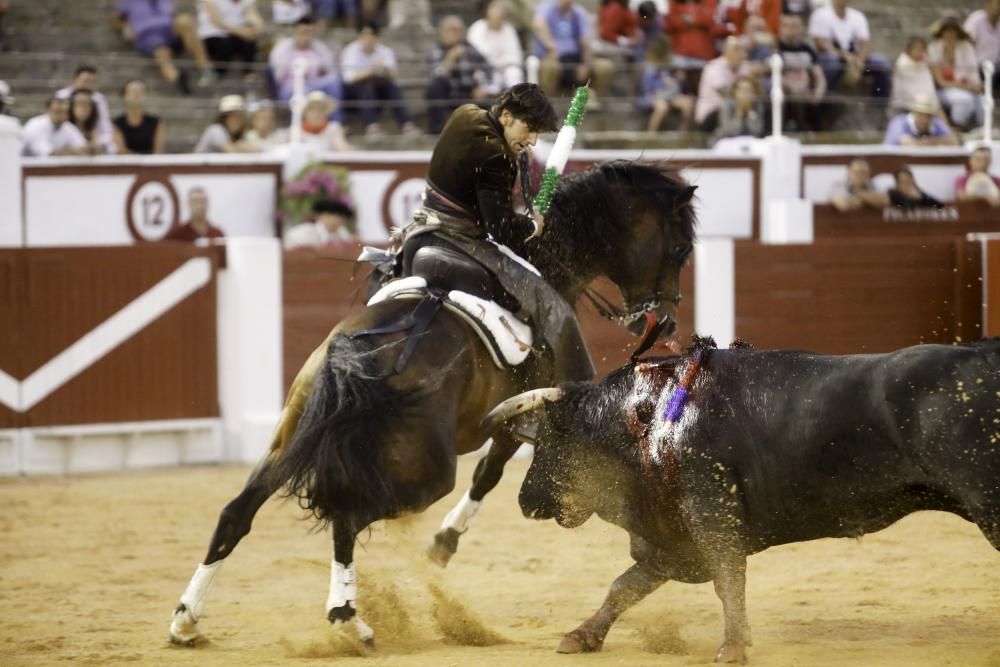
{"type": "Point", "coordinates": [369, 643]}
{"type": "Point", "coordinates": [183, 627]}
{"type": "Point", "coordinates": [732, 653]}
{"type": "Point", "coordinates": [444, 547]}
{"type": "Point", "coordinates": [579, 642]}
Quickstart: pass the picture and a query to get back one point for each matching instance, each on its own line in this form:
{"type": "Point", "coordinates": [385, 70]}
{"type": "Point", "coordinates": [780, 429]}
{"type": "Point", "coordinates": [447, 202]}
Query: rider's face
{"type": "Point", "coordinates": [516, 132]}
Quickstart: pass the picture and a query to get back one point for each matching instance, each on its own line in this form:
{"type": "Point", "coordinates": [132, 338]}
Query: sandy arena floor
{"type": "Point", "coordinates": [91, 567]}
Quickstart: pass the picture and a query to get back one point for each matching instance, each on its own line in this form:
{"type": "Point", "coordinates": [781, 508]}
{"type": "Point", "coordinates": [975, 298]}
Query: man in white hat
{"type": "Point", "coordinates": [922, 126]}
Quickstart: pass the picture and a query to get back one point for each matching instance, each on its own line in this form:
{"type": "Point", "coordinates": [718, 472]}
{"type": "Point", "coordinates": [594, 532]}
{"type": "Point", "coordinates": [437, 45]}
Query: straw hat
{"type": "Point", "coordinates": [230, 103]}
{"type": "Point", "coordinates": [949, 21]}
{"type": "Point", "coordinates": [318, 97]}
{"type": "Point", "coordinates": [924, 104]}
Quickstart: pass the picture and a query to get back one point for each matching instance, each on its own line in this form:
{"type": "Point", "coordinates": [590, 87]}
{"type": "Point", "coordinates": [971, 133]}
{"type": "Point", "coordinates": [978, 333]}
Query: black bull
{"type": "Point", "coordinates": [773, 447]}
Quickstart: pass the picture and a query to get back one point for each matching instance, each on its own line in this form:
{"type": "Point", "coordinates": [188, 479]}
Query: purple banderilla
{"type": "Point", "coordinates": [675, 406]}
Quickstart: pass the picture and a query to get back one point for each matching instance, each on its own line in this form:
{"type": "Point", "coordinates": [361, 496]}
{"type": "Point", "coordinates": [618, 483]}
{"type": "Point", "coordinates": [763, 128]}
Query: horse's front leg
{"type": "Point", "coordinates": [488, 472]}
{"type": "Point", "coordinates": [341, 604]}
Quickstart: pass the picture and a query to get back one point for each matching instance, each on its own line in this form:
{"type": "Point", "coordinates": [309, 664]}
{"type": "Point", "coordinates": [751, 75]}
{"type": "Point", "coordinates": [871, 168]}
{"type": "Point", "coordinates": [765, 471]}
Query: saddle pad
{"type": "Point", "coordinates": [503, 334]}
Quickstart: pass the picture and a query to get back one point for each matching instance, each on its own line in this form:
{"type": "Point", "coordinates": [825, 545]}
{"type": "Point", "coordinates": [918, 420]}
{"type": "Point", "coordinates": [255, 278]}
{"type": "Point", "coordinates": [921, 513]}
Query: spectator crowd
{"type": "Point", "coordinates": [687, 64]}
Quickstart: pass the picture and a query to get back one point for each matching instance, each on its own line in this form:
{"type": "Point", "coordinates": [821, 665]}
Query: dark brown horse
{"type": "Point", "coordinates": [359, 442]}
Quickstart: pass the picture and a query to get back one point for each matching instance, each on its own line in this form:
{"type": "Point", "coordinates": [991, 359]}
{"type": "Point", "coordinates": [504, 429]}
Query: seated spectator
{"type": "Point", "coordinates": [369, 70]}
{"type": "Point", "coordinates": [693, 30]}
{"type": "Point", "coordinates": [563, 42]}
{"type": "Point", "coordinates": [136, 131]}
{"type": "Point", "coordinates": [334, 224]}
{"type": "Point", "coordinates": [230, 29]}
{"type": "Point", "coordinates": [344, 12]}
{"type": "Point", "coordinates": [650, 25]}
{"type": "Point", "coordinates": [197, 228]}
{"type": "Point", "coordinates": [617, 28]}
{"type": "Point", "coordinates": [659, 89]}
{"type": "Point", "coordinates": [497, 40]}
{"type": "Point", "coordinates": [717, 78]}
{"type": "Point", "coordinates": [857, 191]}
{"type": "Point", "coordinates": [912, 76]}
{"type": "Point", "coordinates": [953, 62]}
{"type": "Point", "coordinates": [286, 13]}
{"type": "Point", "coordinates": [844, 44]}
{"type": "Point", "coordinates": [317, 127]}
{"type": "Point", "coordinates": [759, 41]}
{"type": "Point", "coordinates": [225, 135]}
{"type": "Point", "coordinates": [907, 195]}
{"type": "Point", "coordinates": [321, 70]}
{"type": "Point", "coordinates": [800, 8]}
{"type": "Point", "coordinates": [977, 184]}
{"type": "Point", "coordinates": [84, 114]}
{"type": "Point", "coordinates": [158, 33]}
{"type": "Point", "coordinates": [742, 112]}
{"type": "Point", "coordinates": [802, 78]}
{"type": "Point", "coordinates": [983, 25]}
{"type": "Point", "coordinates": [922, 126]}
{"type": "Point", "coordinates": [459, 73]}
{"type": "Point", "coordinates": [51, 133]}
{"type": "Point", "coordinates": [768, 11]}
{"type": "Point", "coordinates": [263, 134]}
{"type": "Point", "coordinates": [85, 78]}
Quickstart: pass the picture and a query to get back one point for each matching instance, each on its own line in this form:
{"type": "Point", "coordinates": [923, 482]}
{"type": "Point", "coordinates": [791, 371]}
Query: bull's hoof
{"type": "Point", "coordinates": [580, 642]}
{"type": "Point", "coordinates": [444, 547]}
{"type": "Point", "coordinates": [732, 653]}
{"type": "Point", "coordinates": [184, 627]}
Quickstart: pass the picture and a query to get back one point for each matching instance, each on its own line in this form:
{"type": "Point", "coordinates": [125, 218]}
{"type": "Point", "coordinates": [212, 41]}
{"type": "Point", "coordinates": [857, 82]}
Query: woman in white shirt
{"type": "Point", "coordinates": [953, 61]}
{"type": "Point", "coordinates": [912, 76]}
{"type": "Point", "coordinates": [497, 40]}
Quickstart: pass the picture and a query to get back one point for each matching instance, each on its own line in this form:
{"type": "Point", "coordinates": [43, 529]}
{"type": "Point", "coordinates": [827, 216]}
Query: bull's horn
{"type": "Point", "coordinates": [516, 405]}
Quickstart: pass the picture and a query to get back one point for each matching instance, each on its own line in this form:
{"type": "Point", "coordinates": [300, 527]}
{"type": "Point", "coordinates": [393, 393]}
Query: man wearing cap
{"type": "Point", "coordinates": [469, 207]}
{"type": "Point", "coordinates": [922, 126]}
{"type": "Point", "coordinates": [225, 135]}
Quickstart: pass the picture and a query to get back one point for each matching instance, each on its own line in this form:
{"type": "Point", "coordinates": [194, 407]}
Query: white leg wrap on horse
{"type": "Point", "coordinates": [343, 586]}
{"type": "Point", "coordinates": [197, 590]}
{"type": "Point", "coordinates": [364, 630]}
{"type": "Point", "coordinates": [460, 517]}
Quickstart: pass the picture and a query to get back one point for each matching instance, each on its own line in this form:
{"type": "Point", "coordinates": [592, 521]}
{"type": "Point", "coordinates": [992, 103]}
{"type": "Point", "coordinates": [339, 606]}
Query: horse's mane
{"type": "Point", "coordinates": [591, 209]}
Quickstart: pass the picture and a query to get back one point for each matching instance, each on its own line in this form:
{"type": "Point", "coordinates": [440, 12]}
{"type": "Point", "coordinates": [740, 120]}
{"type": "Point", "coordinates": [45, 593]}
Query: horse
{"type": "Point", "coordinates": [361, 439]}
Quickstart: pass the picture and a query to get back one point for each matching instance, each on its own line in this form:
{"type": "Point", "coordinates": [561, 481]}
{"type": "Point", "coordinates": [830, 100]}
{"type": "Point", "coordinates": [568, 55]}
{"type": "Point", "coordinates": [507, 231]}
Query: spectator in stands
{"type": "Point", "coordinates": [334, 224]}
{"type": "Point", "coordinates": [802, 78]}
{"type": "Point", "coordinates": [768, 11]}
{"type": "Point", "coordinates": [338, 11]}
{"type": "Point", "coordinates": [659, 89]}
{"type": "Point", "coordinates": [922, 126]}
{"type": "Point", "coordinates": [857, 191]}
{"type": "Point", "coordinates": [650, 25]}
{"type": "Point", "coordinates": [758, 39]}
{"type": "Point", "coordinates": [136, 131]}
{"type": "Point", "coordinates": [906, 195]}
{"type": "Point", "coordinates": [563, 42]}
{"type": "Point", "coordinates": [984, 27]}
{"type": "Point", "coordinates": [497, 40]}
{"type": "Point", "coordinates": [51, 133]}
{"type": "Point", "coordinates": [953, 62]}
{"type": "Point", "coordinates": [977, 184]}
{"type": "Point", "coordinates": [742, 112]}
{"type": "Point", "coordinates": [369, 71]}
{"type": "Point", "coordinates": [85, 78]}
{"type": "Point", "coordinates": [912, 76]}
{"type": "Point", "coordinates": [318, 127]}
{"type": "Point", "coordinates": [693, 30]}
{"type": "Point", "coordinates": [459, 73]}
{"type": "Point", "coordinates": [230, 29]}
{"type": "Point", "coordinates": [618, 28]}
{"type": "Point", "coordinates": [286, 13]}
{"type": "Point", "coordinates": [717, 78]}
{"type": "Point", "coordinates": [225, 135]}
{"type": "Point", "coordinates": [844, 43]}
{"type": "Point", "coordinates": [83, 113]}
{"type": "Point", "coordinates": [263, 134]}
{"type": "Point", "coordinates": [321, 70]}
{"type": "Point", "coordinates": [158, 33]}
{"type": "Point", "coordinates": [800, 8]}
{"type": "Point", "coordinates": [197, 228]}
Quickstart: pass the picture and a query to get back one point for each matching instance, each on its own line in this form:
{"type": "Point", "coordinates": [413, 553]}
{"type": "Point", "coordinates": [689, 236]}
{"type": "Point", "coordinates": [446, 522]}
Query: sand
{"type": "Point", "coordinates": [91, 567]}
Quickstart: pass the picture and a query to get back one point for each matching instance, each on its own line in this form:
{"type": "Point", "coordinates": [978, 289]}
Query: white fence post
{"type": "Point", "coordinates": [988, 101]}
{"type": "Point", "coordinates": [777, 95]}
{"type": "Point", "coordinates": [298, 101]}
{"type": "Point", "coordinates": [11, 215]}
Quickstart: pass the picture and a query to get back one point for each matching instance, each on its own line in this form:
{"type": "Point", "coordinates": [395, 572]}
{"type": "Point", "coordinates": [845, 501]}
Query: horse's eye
{"type": "Point", "coordinates": [682, 250]}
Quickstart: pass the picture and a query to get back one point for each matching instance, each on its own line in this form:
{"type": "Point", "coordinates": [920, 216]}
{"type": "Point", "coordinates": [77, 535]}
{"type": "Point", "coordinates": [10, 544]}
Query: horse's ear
{"type": "Point", "coordinates": [686, 195]}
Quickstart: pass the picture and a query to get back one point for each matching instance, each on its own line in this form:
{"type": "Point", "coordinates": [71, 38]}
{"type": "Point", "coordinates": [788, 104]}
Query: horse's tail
{"type": "Point", "coordinates": [333, 464]}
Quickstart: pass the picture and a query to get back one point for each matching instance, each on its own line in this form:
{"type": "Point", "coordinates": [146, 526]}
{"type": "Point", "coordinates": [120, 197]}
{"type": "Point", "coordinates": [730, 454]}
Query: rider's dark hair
{"type": "Point", "coordinates": [527, 102]}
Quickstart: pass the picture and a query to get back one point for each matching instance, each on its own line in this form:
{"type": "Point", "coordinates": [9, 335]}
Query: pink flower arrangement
{"type": "Point", "coordinates": [314, 182]}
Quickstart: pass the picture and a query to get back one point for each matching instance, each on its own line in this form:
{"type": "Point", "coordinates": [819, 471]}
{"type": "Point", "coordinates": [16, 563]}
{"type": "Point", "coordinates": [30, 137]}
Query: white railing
{"type": "Point", "coordinates": [298, 101]}
{"type": "Point", "coordinates": [988, 101]}
{"type": "Point", "coordinates": [777, 94]}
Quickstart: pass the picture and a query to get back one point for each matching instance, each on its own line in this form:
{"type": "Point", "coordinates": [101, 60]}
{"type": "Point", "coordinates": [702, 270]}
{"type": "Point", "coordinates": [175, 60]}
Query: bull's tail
{"type": "Point", "coordinates": [333, 464]}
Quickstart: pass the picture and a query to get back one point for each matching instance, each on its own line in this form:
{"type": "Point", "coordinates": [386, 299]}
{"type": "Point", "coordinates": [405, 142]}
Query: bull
{"type": "Point", "coordinates": [771, 447]}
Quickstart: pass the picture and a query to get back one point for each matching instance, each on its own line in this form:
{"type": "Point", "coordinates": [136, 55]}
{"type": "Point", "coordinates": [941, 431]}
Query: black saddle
{"type": "Point", "coordinates": [447, 269]}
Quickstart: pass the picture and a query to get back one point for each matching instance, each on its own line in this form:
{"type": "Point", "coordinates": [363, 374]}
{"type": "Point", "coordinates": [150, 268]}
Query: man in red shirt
{"type": "Point", "coordinates": [197, 227]}
{"type": "Point", "coordinates": [693, 30]}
